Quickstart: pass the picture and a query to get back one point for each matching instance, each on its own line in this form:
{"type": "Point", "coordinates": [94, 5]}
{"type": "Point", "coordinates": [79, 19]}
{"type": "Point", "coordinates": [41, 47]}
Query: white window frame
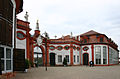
{"type": "Point", "coordinates": [5, 59]}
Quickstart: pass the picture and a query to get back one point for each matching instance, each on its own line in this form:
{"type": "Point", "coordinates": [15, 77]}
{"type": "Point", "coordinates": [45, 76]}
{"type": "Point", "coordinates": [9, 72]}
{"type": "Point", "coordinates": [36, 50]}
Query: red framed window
{"type": "Point", "coordinates": [21, 35]}
{"type": "Point", "coordinates": [85, 48]}
{"type": "Point", "coordinates": [66, 47]}
{"type": "Point", "coordinates": [52, 47]}
{"type": "Point", "coordinates": [59, 47]}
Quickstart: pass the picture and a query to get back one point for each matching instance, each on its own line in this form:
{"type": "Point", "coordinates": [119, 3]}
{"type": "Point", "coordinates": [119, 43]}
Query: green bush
{"type": "Point", "coordinates": [31, 64]}
{"type": "Point", "coordinates": [27, 63]}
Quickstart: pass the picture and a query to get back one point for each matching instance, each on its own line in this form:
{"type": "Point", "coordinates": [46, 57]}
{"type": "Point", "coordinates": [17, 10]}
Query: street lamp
{"type": "Point", "coordinates": [39, 42]}
{"type": "Point", "coordinates": [46, 37]}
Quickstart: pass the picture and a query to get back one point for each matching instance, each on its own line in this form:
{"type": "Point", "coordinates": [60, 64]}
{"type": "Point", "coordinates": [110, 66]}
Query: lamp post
{"type": "Point", "coordinates": [39, 42]}
{"type": "Point", "coordinates": [46, 37]}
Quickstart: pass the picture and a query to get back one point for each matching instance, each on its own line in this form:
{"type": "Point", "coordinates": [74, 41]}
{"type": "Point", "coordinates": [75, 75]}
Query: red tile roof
{"type": "Point", "coordinates": [91, 32]}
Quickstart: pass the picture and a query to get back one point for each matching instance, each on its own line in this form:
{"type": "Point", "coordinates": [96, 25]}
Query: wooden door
{"type": "Point", "coordinates": [19, 60]}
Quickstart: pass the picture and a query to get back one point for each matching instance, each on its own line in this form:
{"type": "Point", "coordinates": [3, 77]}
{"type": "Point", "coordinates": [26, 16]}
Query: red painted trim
{"type": "Point", "coordinates": [32, 52]}
{"type": "Point", "coordinates": [23, 35]}
{"type": "Point", "coordinates": [23, 28]}
{"type": "Point", "coordinates": [48, 54]}
{"type": "Point", "coordinates": [66, 46]}
{"type": "Point", "coordinates": [28, 45]}
{"type": "Point", "coordinates": [92, 47]}
{"type": "Point", "coordinates": [83, 58]}
{"type": "Point", "coordinates": [71, 54]}
{"type": "Point", "coordinates": [65, 43]}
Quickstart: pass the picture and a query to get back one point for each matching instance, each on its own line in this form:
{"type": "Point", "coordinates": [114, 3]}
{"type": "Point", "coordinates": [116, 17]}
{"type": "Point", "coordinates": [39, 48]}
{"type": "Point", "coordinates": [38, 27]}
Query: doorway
{"type": "Point", "coordinates": [52, 59]}
{"type": "Point", "coordinates": [38, 56]}
{"type": "Point", "coordinates": [85, 59]}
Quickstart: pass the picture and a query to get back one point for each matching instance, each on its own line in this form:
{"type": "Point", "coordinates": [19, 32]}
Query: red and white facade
{"type": "Point", "coordinates": [23, 36]}
{"type": "Point", "coordinates": [78, 50]}
{"type": "Point", "coordinates": [90, 46]}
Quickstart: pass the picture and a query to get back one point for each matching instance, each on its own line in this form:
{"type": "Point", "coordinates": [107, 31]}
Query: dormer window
{"type": "Point", "coordinates": [101, 39]}
{"type": "Point", "coordinates": [85, 40]}
{"type": "Point", "coordinates": [97, 36]}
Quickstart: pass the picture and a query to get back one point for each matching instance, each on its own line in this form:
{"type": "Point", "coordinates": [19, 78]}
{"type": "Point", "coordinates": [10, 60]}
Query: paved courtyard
{"type": "Point", "coordinates": [72, 72]}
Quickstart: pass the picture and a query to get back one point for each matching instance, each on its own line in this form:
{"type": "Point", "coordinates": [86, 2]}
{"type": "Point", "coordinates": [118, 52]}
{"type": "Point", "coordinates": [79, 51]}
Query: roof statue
{"type": "Point", "coordinates": [71, 35]}
{"type": "Point", "coordinates": [26, 16]}
{"type": "Point", "coordinates": [37, 25]}
{"type": "Point", "coordinates": [55, 36]}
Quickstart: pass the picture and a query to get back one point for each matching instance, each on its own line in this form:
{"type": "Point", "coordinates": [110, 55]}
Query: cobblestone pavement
{"type": "Point", "coordinates": [72, 72]}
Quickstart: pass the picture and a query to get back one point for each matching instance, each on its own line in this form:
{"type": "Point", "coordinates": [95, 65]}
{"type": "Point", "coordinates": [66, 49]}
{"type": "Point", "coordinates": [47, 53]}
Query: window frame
{"type": "Point", "coordinates": [24, 36]}
{"type": "Point", "coordinates": [59, 59]}
{"type": "Point", "coordinates": [5, 59]}
{"type": "Point", "coordinates": [67, 57]}
{"type": "Point", "coordinates": [98, 52]}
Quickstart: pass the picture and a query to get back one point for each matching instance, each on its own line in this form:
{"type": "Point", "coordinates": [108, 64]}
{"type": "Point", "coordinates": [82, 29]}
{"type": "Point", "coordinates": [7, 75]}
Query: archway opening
{"type": "Point", "coordinates": [52, 59]}
{"type": "Point", "coordinates": [85, 59]}
{"type": "Point", "coordinates": [38, 56]}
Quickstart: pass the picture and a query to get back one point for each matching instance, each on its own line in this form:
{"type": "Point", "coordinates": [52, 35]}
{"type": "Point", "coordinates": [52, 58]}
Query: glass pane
{"type": "Point", "coordinates": [97, 49]}
{"type": "Point", "coordinates": [20, 35]}
{"type": "Point", "coordinates": [1, 52]}
{"type": "Point", "coordinates": [77, 58]}
{"type": "Point", "coordinates": [8, 65]}
{"type": "Point", "coordinates": [67, 57]}
{"type": "Point", "coordinates": [2, 65]}
{"type": "Point", "coordinates": [52, 48]}
{"type": "Point", "coordinates": [66, 47]}
{"type": "Point", "coordinates": [60, 48]}
{"type": "Point", "coordinates": [8, 53]}
{"type": "Point", "coordinates": [59, 58]}
{"type": "Point", "coordinates": [74, 59]}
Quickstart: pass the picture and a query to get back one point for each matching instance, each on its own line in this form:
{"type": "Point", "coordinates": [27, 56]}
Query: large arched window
{"type": "Point", "coordinates": [98, 54]}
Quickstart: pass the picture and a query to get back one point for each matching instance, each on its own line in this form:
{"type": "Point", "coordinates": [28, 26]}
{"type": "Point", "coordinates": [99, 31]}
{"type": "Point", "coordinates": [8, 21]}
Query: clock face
{"type": "Point", "coordinates": [39, 40]}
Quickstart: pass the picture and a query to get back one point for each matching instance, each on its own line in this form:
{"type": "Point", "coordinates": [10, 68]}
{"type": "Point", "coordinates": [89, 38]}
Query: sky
{"type": "Point", "coordinates": [61, 17]}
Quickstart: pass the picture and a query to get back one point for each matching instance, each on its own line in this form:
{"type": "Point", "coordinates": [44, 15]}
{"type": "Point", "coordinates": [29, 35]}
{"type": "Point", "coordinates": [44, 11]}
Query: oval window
{"type": "Point", "coordinates": [59, 47]}
{"type": "Point", "coordinates": [85, 48]}
{"type": "Point", "coordinates": [20, 35]}
{"type": "Point", "coordinates": [66, 47]}
{"type": "Point", "coordinates": [52, 47]}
